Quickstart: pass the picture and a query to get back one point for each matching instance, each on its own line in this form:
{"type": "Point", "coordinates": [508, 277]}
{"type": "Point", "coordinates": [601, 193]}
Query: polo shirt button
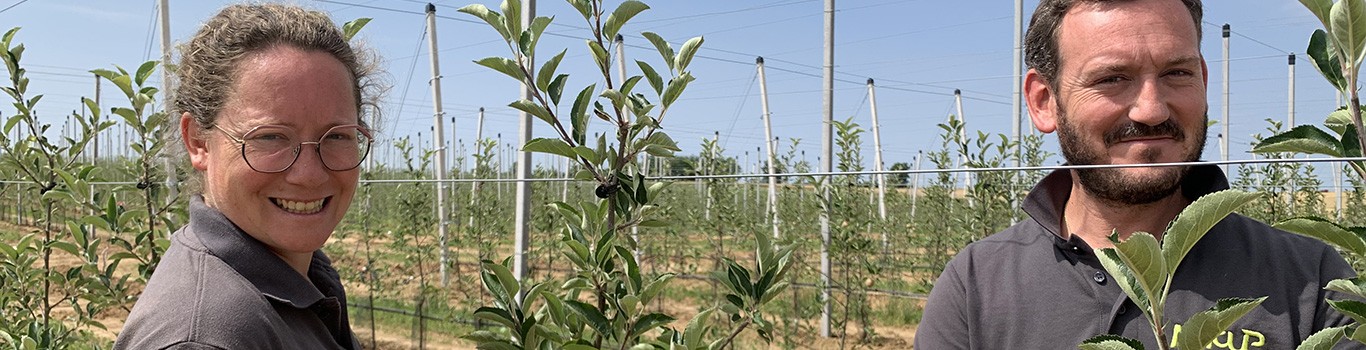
{"type": "Point", "coordinates": [1099, 277]}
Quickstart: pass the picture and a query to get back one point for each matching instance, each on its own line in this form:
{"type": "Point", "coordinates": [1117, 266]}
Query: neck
{"type": "Point", "coordinates": [1094, 219]}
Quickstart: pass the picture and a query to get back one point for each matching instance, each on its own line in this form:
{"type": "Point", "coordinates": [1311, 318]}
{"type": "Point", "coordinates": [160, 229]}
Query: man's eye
{"type": "Point", "coordinates": [1109, 80]}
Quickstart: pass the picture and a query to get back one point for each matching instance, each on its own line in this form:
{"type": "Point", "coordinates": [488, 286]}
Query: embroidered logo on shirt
{"type": "Point", "coordinates": [1250, 339]}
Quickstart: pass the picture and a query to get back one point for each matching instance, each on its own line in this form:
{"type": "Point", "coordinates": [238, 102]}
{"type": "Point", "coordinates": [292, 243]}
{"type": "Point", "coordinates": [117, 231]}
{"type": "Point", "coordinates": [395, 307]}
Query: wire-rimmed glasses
{"type": "Point", "coordinates": [274, 148]}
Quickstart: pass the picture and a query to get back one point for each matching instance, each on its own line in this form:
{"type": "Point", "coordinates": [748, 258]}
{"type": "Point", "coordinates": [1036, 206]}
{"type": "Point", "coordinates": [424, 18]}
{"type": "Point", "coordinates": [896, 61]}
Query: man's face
{"type": "Point", "coordinates": [1130, 89]}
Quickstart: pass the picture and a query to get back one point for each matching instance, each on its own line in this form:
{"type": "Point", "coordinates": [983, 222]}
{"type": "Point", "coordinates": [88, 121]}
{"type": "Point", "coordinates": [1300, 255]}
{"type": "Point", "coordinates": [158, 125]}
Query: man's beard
{"type": "Point", "coordinates": [1113, 184]}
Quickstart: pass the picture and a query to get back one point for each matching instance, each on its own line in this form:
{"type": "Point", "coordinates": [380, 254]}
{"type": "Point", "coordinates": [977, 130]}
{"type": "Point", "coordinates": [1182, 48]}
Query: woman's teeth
{"type": "Point", "coordinates": [299, 207]}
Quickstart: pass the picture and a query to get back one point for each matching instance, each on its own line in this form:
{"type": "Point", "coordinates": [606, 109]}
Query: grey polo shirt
{"type": "Point", "coordinates": [1027, 288]}
{"type": "Point", "coordinates": [218, 288]}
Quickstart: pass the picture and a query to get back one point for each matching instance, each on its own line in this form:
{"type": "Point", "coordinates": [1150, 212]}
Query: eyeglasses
{"type": "Point", "coordinates": [273, 149]}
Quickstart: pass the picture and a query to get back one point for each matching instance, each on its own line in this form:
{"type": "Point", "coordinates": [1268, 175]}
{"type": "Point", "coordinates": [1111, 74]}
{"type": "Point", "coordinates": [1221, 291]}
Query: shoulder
{"type": "Point", "coordinates": [196, 301]}
{"type": "Point", "coordinates": [1022, 240]}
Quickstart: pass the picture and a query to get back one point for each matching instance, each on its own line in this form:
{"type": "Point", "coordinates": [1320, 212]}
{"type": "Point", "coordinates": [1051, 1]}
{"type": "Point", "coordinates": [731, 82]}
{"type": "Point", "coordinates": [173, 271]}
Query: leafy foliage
{"type": "Point", "coordinates": [1144, 268]}
{"type": "Point", "coordinates": [539, 315]}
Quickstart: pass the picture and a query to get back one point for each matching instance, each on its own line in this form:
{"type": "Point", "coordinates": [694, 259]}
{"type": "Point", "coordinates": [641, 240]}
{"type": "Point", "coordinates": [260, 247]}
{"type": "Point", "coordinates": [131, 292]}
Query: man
{"type": "Point", "coordinates": [1122, 82]}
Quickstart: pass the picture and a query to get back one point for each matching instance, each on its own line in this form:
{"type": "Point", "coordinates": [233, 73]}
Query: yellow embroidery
{"type": "Point", "coordinates": [1250, 339]}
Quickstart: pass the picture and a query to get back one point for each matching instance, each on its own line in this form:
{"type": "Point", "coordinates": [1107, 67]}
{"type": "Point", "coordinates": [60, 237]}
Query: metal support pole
{"type": "Point", "coordinates": [1017, 68]}
{"type": "Point", "coordinates": [439, 143]}
{"type": "Point", "coordinates": [877, 161]}
{"type": "Point", "coordinates": [827, 130]}
{"type": "Point", "coordinates": [962, 134]}
{"type": "Point", "coordinates": [1290, 114]}
{"type": "Point", "coordinates": [1223, 142]}
{"type": "Point", "coordinates": [478, 147]}
{"type": "Point", "coordinates": [523, 215]}
{"type": "Point", "coordinates": [770, 148]}
{"type": "Point", "coordinates": [166, 86]}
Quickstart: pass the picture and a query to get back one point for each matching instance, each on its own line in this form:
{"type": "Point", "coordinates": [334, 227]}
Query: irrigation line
{"type": "Point", "coordinates": [410, 313]}
{"type": "Point", "coordinates": [908, 171]}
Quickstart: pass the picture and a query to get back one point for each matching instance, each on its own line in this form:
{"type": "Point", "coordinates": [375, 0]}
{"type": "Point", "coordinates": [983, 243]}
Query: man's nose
{"type": "Point", "coordinates": [1150, 103]}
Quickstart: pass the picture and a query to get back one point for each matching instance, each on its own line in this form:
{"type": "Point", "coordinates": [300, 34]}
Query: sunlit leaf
{"type": "Point", "coordinates": [1307, 139]}
{"type": "Point", "coordinates": [1196, 220]}
{"type": "Point", "coordinates": [1326, 231]}
{"type": "Point", "coordinates": [1324, 339]}
{"type": "Point", "coordinates": [1204, 326]}
{"type": "Point", "coordinates": [620, 16]}
{"type": "Point", "coordinates": [1110, 342]}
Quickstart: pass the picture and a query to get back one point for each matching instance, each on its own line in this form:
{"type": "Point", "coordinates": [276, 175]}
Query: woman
{"type": "Point", "coordinates": [271, 99]}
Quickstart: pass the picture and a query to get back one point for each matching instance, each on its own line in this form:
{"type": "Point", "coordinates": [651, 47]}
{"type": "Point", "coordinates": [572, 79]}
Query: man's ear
{"type": "Point", "coordinates": [195, 144]}
{"type": "Point", "coordinates": [1043, 107]}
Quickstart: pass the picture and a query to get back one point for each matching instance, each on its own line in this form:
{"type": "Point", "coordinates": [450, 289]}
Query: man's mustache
{"type": "Point", "coordinates": [1134, 130]}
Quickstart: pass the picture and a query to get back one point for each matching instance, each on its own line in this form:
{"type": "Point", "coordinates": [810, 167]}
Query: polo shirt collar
{"type": "Point", "coordinates": [253, 260]}
{"type": "Point", "coordinates": [1046, 201]}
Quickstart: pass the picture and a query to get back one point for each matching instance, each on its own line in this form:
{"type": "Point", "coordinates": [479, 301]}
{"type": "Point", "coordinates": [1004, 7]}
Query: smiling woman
{"type": "Point", "coordinates": [271, 102]}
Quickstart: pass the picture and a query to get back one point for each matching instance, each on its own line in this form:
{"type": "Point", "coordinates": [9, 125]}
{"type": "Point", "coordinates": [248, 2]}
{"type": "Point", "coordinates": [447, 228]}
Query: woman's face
{"type": "Point", "coordinates": [294, 211]}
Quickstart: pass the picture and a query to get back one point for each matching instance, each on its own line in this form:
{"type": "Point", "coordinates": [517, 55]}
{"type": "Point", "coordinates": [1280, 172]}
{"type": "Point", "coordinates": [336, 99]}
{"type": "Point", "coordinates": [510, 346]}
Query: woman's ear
{"type": "Point", "coordinates": [195, 144]}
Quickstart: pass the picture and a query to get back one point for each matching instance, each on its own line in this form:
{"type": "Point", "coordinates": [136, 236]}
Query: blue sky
{"type": "Point", "coordinates": [917, 51]}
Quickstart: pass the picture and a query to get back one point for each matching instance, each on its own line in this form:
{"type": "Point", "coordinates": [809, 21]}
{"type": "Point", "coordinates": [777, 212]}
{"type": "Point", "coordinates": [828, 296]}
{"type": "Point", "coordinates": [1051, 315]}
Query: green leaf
{"type": "Point", "coordinates": [66, 247]}
{"type": "Point", "coordinates": [547, 71]}
{"type": "Point", "coordinates": [1325, 231]}
{"type": "Point", "coordinates": [653, 223]}
{"type": "Point", "coordinates": [556, 88]}
{"type": "Point", "coordinates": [145, 71]}
{"type": "Point", "coordinates": [1352, 308]}
{"type": "Point", "coordinates": [652, 288]}
{"type": "Point", "coordinates": [1339, 120]}
{"type": "Point", "coordinates": [1204, 326]}
{"type": "Point", "coordinates": [1321, 53]}
{"type": "Point", "coordinates": [1324, 339]}
{"type": "Point", "coordinates": [660, 144]}
{"type": "Point", "coordinates": [504, 277]}
{"type": "Point", "coordinates": [675, 88]}
{"type": "Point", "coordinates": [1320, 8]}
{"type": "Point", "coordinates": [620, 16]}
{"type": "Point", "coordinates": [512, 17]}
{"type": "Point", "coordinates": [505, 66]}
{"type": "Point", "coordinates": [578, 115]}
{"type": "Point", "coordinates": [600, 55]}
{"type": "Point", "coordinates": [496, 315]}
{"type": "Point", "coordinates": [696, 329]}
{"type": "Point", "coordinates": [652, 76]}
{"type": "Point", "coordinates": [593, 316]}
{"type": "Point", "coordinates": [665, 51]}
{"type": "Point", "coordinates": [587, 154]}
{"type": "Point", "coordinates": [538, 26]}
{"type": "Point", "coordinates": [1354, 286]}
{"type": "Point", "coordinates": [1347, 23]}
{"type": "Point", "coordinates": [1302, 139]}
{"type": "Point", "coordinates": [1142, 254]}
{"type": "Point", "coordinates": [1196, 220]}
{"type": "Point", "coordinates": [1110, 342]}
{"type": "Point", "coordinates": [350, 28]}
{"type": "Point", "coordinates": [532, 108]}
{"type": "Point", "coordinates": [585, 7]}
{"type": "Point", "coordinates": [1126, 278]}
{"type": "Point", "coordinates": [686, 52]}
{"type": "Point", "coordinates": [494, 19]}
{"type": "Point", "coordinates": [649, 322]}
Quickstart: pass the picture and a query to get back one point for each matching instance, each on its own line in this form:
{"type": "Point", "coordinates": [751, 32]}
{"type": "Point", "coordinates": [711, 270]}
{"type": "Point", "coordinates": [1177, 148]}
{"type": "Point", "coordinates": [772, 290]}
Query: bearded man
{"type": "Point", "coordinates": [1122, 82]}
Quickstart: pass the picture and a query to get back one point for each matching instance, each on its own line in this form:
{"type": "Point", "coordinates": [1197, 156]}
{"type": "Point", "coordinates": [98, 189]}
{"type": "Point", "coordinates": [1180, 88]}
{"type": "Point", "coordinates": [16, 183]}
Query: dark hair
{"type": "Point", "coordinates": [1041, 40]}
{"type": "Point", "coordinates": [208, 64]}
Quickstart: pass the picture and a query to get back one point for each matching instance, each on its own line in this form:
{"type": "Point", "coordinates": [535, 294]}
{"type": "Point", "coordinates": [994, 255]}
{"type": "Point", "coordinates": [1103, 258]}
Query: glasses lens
{"type": "Point", "coordinates": [343, 147]}
{"type": "Point", "coordinates": [269, 149]}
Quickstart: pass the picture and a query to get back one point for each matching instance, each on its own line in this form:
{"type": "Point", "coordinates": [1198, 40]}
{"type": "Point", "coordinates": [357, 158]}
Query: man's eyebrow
{"type": "Point", "coordinates": [1184, 60]}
